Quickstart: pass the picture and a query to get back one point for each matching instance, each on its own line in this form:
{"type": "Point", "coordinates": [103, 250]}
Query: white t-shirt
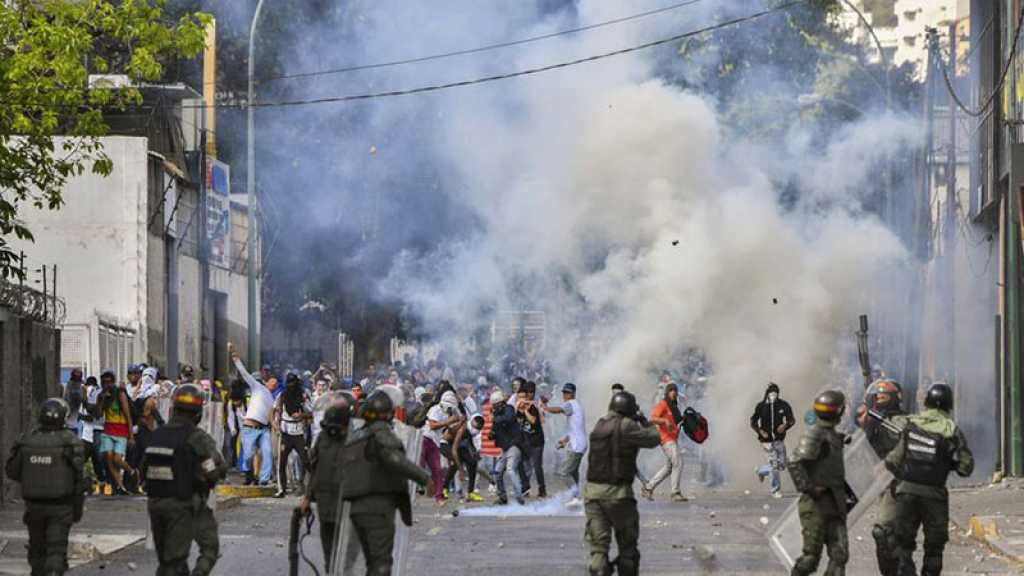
{"type": "Point", "coordinates": [435, 414]}
{"type": "Point", "coordinates": [577, 426]}
{"type": "Point", "coordinates": [261, 401]}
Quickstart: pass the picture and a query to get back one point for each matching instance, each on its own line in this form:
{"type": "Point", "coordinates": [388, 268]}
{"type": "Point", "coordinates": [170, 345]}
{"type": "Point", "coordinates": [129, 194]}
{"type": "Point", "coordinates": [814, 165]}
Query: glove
{"type": "Point", "coordinates": [641, 419]}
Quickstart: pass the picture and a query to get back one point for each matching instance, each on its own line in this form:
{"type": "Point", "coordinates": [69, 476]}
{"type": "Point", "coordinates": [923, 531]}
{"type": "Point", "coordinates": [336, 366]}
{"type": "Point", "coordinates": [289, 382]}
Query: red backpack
{"type": "Point", "coordinates": [695, 425]}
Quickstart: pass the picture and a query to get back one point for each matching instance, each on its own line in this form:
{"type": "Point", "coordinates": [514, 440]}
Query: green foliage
{"type": "Point", "coordinates": [51, 120]}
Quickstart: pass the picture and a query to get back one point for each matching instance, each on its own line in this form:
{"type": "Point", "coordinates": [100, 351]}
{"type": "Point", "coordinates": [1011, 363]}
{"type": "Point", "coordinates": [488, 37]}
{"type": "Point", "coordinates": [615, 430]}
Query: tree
{"type": "Point", "coordinates": [48, 50]}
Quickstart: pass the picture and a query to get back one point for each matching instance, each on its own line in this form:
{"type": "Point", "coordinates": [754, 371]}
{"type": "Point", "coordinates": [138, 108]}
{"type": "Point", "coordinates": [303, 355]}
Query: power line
{"type": "Point", "coordinates": [934, 49]}
{"type": "Point", "coordinates": [526, 72]}
{"type": "Point", "coordinates": [485, 48]}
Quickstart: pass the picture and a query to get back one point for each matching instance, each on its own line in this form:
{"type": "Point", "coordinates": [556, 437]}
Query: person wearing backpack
{"type": "Point", "coordinates": [931, 447]}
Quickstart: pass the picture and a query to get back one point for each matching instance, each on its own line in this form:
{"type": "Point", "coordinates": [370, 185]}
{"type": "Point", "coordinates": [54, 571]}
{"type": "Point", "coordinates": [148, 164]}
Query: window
{"type": "Point", "coordinates": [910, 41]}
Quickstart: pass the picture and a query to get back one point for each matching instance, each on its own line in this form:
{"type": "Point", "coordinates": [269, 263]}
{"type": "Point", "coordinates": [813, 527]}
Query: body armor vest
{"type": "Point", "coordinates": [928, 457]}
{"type": "Point", "coordinates": [364, 475]}
{"type": "Point", "coordinates": [169, 465]}
{"type": "Point", "coordinates": [329, 453]}
{"type": "Point", "coordinates": [829, 469]}
{"type": "Point", "coordinates": [610, 462]}
{"type": "Point", "coordinates": [46, 469]}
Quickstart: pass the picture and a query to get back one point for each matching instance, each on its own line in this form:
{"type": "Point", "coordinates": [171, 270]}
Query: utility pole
{"type": "Point", "coordinates": [250, 184]}
{"type": "Point", "coordinates": [950, 227]}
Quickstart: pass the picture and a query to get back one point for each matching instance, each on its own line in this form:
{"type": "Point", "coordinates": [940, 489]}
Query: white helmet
{"type": "Point", "coordinates": [497, 396]}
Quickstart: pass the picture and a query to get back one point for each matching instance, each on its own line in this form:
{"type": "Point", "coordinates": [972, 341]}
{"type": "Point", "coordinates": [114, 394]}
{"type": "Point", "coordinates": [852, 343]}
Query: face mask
{"type": "Point", "coordinates": [773, 396]}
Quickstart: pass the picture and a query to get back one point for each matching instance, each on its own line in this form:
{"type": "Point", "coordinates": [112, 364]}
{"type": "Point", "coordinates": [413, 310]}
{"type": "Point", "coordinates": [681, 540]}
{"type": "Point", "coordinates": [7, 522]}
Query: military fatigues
{"type": "Point", "coordinates": [884, 530]}
{"type": "Point", "coordinates": [376, 483]}
{"type": "Point", "coordinates": [932, 447]}
{"type": "Point", "coordinates": [181, 465]}
{"type": "Point", "coordinates": [819, 474]}
{"type": "Point", "coordinates": [609, 502]}
{"type": "Point", "coordinates": [323, 486]}
{"type": "Point", "coordinates": [49, 466]}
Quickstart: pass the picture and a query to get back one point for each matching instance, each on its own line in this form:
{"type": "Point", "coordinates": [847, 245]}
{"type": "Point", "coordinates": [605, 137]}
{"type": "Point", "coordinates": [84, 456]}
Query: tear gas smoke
{"type": "Point", "coordinates": [566, 192]}
{"type": "Point", "coordinates": [556, 505]}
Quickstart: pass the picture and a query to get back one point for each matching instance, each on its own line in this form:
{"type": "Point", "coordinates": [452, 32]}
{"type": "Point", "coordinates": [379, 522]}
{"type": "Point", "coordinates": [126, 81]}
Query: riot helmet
{"type": "Point", "coordinates": [336, 418]}
{"type": "Point", "coordinates": [378, 407]}
{"type": "Point", "coordinates": [940, 397]}
{"type": "Point", "coordinates": [623, 403]}
{"type": "Point", "coordinates": [53, 413]}
{"type": "Point", "coordinates": [188, 399]}
{"type": "Point", "coordinates": [830, 405]}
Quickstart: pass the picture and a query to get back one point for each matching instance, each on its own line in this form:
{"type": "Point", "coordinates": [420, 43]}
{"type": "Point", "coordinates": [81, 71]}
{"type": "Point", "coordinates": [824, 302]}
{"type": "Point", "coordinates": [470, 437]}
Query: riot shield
{"type": "Point", "coordinates": [412, 438]}
{"type": "Point", "coordinates": [865, 474]}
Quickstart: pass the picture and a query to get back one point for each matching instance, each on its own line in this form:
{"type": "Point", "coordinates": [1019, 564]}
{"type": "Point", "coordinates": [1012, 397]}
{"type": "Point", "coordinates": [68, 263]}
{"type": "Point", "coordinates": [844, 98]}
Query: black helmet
{"type": "Point", "coordinates": [53, 413]}
{"type": "Point", "coordinates": [939, 396]}
{"type": "Point", "coordinates": [188, 397]}
{"type": "Point", "coordinates": [336, 418]}
{"type": "Point", "coordinates": [623, 403]}
{"type": "Point", "coordinates": [830, 405]}
{"type": "Point", "coordinates": [378, 407]}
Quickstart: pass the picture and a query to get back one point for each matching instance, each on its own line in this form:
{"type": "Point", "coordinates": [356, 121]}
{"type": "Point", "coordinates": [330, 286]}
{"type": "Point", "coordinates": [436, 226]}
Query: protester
{"type": "Point", "coordinates": [772, 418]}
{"type": "Point", "coordinates": [667, 416]}
{"type": "Point", "coordinates": [74, 395]}
{"type": "Point", "coordinates": [117, 430]}
{"type": "Point", "coordinates": [292, 411]}
{"type": "Point", "coordinates": [255, 426]}
{"type": "Point", "coordinates": [508, 436]}
{"type": "Point", "coordinates": [575, 439]}
{"type": "Point", "coordinates": [532, 425]}
{"type": "Point", "coordinates": [438, 419]}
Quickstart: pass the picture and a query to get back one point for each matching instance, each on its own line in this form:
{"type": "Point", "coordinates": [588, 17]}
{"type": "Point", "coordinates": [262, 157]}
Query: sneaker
{"type": "Point", "coordinates": [280, 494]}
{"type": "Point", "coordinates": [475, 497]}
{"type": "Point", "coordinates": [492, 490]}
{"type": "Point", "coordinates": [501, 501]}
{"type": "Point", "coordinates": [574, 503]}
{"type": "Point", "coordinates": [120, 491]}
{"type": "Point", "coordinates": [678, 497]}
{"type": "Point", "coordinates": [108, 490]}
{"type": "Point", "coordinates": [777, 494]}
{"type": "Point", "coordinates": [521, 501]}
{"type": "Point", "coordinates": [526, 493]}
{"type": "Point", "coordinates": [542, 493]}
{"type": "Point", "coordinates": [445, 493]}
{"type": "Point", "coordinates": [757, 472]}
{"type": "Point", "coordinates": [249, 480]}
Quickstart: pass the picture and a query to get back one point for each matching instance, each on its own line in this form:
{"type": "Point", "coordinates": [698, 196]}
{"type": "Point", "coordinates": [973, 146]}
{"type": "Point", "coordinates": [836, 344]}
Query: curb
{"type": "Point", "coordinates": [228, 502]}
{"type": "Point", "coordinates": [238, 491]}
{"type": "Point", "coordinates": [985, 531]}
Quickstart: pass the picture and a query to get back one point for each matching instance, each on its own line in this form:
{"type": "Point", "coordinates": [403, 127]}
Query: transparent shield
{"type": "Point", "coordinates": [412, 438]}
{"type": "Point", "coordinates": [865, 473]}
{"type": "Point", "coordinates": [346, 545]}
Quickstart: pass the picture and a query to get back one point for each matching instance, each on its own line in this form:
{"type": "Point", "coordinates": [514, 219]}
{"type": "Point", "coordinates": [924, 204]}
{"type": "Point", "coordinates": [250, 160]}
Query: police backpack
{"type": "Point", "coordinates": [695, 425]}
{"type": "Point", "coordinates": [928, 456]}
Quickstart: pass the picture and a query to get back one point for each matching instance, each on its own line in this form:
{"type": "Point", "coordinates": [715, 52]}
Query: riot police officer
{"type": "Point", "coordinates": [375, 483]}
{"type": "Point", "coordinates": [885, 397]}
{"type": "Point", "coordinates": [931, 447]}
{"type": "Point", "coordinates": [49, 464]}
{"type": "Point", "coordinates": [323, 483]}
{"type": "Point", "coordinates": [609, 502]}
{"type": "Point", "coordinates": [818, 472]}
{"type": "Point", "coordinates": [181, 465]}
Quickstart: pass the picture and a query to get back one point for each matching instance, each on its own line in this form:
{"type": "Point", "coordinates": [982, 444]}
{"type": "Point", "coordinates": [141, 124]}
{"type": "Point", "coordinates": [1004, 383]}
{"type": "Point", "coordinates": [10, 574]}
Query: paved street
{"type": "Point", "coordinates": [718, 533]}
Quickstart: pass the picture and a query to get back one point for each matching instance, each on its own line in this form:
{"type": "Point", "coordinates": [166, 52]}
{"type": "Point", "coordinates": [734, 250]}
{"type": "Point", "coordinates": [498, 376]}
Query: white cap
{"type": "Point", "coordinates": [497, 396]}
{"type": "Point", "coordinates": [419, 392]}
{"type": "Point", "coordinates": [449, 399]}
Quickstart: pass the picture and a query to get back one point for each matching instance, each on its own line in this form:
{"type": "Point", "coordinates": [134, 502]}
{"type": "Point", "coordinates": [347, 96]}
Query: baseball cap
{"type": "Point", "coordinates": [569, 387]}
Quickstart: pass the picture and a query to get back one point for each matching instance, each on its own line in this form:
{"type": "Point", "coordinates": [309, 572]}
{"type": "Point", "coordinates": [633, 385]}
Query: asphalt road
{"type": "Point", "coordinates": [720, 532]}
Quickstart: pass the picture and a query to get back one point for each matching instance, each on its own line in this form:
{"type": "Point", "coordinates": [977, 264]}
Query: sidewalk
{"type": "Point", "coordinates": [110, 524]}
{"type": "Point", "coordinates": [993, 515]}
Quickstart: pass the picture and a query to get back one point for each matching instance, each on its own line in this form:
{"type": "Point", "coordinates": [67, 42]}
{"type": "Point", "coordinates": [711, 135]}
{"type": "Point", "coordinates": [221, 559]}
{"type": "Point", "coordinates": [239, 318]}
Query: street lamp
{"type": "Point", "coordinates": [250, 185]}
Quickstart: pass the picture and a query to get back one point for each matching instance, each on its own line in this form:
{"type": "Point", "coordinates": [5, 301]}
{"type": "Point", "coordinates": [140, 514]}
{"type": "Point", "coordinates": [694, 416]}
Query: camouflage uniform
{"type": "Point", "coordinates": [819, 473]}
{"type": "Point", "coordinates": [609, 503]}
{"type": "Point", "coordinates": [376, 485]}
{"type": "Point", "coordinates": [177, 520]}
{"type": "Point", "coordinates": [884, 530]}
{"type": "Point", "coordinates": [926, 505]}
{"type": "Point", "coordinates": [49, 464]}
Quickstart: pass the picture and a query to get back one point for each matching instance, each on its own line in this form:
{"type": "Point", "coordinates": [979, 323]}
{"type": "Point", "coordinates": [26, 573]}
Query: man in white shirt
{"type": "Point", "coordinates": [438, 418]}
{"type": "Point", "coordinates": [255, 426]}
{"type": "Point", "coordinates": [575, 438]}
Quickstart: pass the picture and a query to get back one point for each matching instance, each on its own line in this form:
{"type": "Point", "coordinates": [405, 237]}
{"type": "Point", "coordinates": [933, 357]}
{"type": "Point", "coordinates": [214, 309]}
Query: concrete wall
{"type": "Point", "coordinates": [29, 357]}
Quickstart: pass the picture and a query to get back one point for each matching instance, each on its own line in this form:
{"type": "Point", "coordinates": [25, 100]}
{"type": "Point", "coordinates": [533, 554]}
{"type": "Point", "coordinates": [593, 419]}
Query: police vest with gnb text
{"type": "Point", "coordinates": [928, 458]}
{"type": "Point", "coordinates": [169, 465]}
{"type": "Point", "coordinates": [46, 469]}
